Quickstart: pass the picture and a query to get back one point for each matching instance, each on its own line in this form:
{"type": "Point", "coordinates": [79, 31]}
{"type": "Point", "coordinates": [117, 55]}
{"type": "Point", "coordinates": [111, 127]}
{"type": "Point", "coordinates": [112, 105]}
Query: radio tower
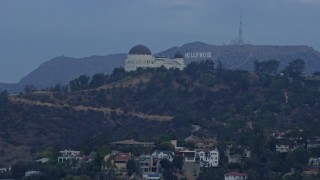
{"type": "Point", "coordinates": [240, 40]}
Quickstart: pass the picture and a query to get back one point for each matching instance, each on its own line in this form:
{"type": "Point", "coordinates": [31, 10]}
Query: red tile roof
{"type": "Point", "coordinates": [122, 157]}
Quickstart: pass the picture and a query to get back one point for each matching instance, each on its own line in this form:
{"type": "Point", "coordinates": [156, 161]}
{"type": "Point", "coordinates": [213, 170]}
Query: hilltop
{"type": "Point", "coordinates": [61, 70]}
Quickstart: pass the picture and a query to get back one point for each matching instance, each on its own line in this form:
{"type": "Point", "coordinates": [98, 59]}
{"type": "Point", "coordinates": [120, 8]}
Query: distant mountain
{"type": "Point", "coordinates": [61, 70]}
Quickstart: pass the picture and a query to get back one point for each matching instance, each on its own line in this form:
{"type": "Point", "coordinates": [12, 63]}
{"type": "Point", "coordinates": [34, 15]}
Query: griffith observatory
{"type": "Point", "coordinates": [140, 57]}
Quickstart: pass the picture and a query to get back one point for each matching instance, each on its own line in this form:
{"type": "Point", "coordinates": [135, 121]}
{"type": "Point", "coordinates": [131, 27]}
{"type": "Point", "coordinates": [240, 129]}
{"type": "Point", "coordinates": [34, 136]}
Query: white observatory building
{"type": "Point", "coordinates": [140, 57]}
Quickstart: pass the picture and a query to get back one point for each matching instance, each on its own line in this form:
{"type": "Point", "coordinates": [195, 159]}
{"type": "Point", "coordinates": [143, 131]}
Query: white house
{"type": "Point", "coordinates": [285, 145]}
{"type": "Point", "coordinates": [165, 154]}
{"type": "Point", "coordinates": [209, 158]}
{"type": "Point", "coordinates": [3, 170]}
{"type": "Point", "coordinates": [32, 173]}
{"type": "Point", "coordinates": [314, 162]}
{"type": "Point", "coordinates": [140, 57]}
{"type": "Point", "coordinates": [43, 160]}
{"type": "Point", "coordinates": [235, 176]}
{"type": "Point", "coordinates": [69, 155]}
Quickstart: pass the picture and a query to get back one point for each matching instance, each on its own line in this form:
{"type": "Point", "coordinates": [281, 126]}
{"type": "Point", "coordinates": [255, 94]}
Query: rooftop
{"type": "Point", "coordinates": [236, 174]}
{"type": "Point", "coordinates": [123, 157]}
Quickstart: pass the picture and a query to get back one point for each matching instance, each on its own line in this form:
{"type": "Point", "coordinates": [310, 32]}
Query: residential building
{"type": "Point", "coordinates": [284, 146]}
{"type": "Point", "coordinates": [313, 143]}
{"type": "Point", "coordinates": [208, 158]}
{"type": "Point", "coordinates": [188, 155]}
{"type": "Point", "coordinates": [236, 158]}
{"type": "Point", "coordinates": [43, 160]}
{"type": "Point", "coordinates": [163, 154]}
{"type": "Point", "coordinates": [247, 153]}
{"type": "Point", "coordinates": [121, 161]}
{"type": "Point", "coordinates": [148, 165]}
{"type": "Point", "coordinates": [3, 170]}
{"type": "Point", "coordinates": [235, 176]}
{"type": "Point", "coordinates": [205, 143]}
{"type": "Point", "coordinates": [315, 162]}
{"type": "Point", "coordinates": [32, 173]}
{"type": "Point", "coordinates": [69, 155]}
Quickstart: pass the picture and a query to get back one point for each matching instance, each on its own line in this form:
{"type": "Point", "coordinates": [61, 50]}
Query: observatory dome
{"type": "Point", "coordinates": [140, 50]}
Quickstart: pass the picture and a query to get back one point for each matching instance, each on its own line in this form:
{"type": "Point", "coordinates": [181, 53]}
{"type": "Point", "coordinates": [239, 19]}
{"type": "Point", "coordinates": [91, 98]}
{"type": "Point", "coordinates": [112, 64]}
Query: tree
{"type": "Point", "coordinates": [29, 88]}
{"type": "Point", "coordinates": [207, 66]}
{"type": "Point", "coordinates": [18, 169]}
{"type": "Point", "coordinates": [79, 83]}
{"type": "Point", "coordinates": [4, 99]}
{"type": "Point", "coordinates": [266, 67]}
{"type": "Point", "coordinates": [131, 167]}
{"type": "Point", "coordinates": [166, 165]}
{"type": "Point", "coordinates": [316, 73]}
{"type": "Point", "coordinates": [165, 146]}
{"type": "Point", "coordinates": [117, 74]}
{"type": "Point", "coordinates": [177, 162]}
{"type": "Point", "coordinates": [97, 80]}
{"type": "Point", "coordinates": [295, 69]}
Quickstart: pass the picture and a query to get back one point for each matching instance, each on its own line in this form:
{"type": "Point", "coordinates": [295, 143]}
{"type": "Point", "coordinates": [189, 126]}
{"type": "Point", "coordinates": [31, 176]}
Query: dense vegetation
{"type": "Point", "coordinates": [238, 107]}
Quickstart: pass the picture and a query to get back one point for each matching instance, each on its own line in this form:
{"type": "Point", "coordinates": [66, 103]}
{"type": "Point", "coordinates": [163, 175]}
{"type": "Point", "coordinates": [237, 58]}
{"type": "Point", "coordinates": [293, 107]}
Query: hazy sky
{"type": "Point", "coordinates": [34, 31]}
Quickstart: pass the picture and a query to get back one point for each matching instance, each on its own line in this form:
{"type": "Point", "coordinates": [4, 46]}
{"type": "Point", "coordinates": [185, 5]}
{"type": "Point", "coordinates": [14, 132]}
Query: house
{"type": "Point", "coordinates": [235, 176]}
{"type": "Point", "coordinates": [69, 155]}
{"type": "Point", "coordinates": [285, 146]}
{"type": "Point", "coordinates": [32, 173]}
{"type": "Point", "coordinates": [121, 161]}
{"type": "Point", "coordinates": [205, 143]}
{"type": "Point", "coordinates": [43, 160]}
{"type": "Point", "coordinates": [235, 155]}
{"type": "Point", "coordinates": [3, 170]}
{"type": "Point", "coordinates": [149, 164]}
{"type": "Point", "coordinates": [163, 154]}
{"type": "Point", "coordinates": [311, 171]}
{"type": "Point", "coordinates": [89, 157]}
{"type": "Point", "coordinates": [313, 143]}
{"type": "Point", "coordinates": [247, 153]}
{"type": "Point", "coordinates": [208, 158]}
{"type": "Point", "coordinates": [236, 158]}
{"type": "Point", "coordinates": [188, 156]}
{"type": "Point", "coordinates": [315, 162]}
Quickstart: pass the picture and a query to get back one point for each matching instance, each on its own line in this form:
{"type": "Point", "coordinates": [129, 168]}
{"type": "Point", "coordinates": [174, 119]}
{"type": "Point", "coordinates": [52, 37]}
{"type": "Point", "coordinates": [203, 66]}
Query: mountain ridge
{"type": "Point", "coordinates": [58, 70]}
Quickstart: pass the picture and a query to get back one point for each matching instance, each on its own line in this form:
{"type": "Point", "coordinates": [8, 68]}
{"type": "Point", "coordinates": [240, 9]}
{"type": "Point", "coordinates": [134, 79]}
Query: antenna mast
{"type": "Point", "coordinates": [240, 40]}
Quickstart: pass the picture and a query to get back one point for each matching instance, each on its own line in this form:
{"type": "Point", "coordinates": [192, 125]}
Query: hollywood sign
{"type": "Point", "coordinates": [197, 55]}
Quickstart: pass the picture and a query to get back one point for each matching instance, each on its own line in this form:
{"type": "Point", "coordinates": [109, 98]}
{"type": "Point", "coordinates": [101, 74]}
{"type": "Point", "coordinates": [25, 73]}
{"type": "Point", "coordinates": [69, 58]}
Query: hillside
{"type": "Point", "coordinates": [243, 57]}
{"type": "Point", "coordinates": [152, 103]}
{"type": "Point", "coordinates": [61, 70]}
